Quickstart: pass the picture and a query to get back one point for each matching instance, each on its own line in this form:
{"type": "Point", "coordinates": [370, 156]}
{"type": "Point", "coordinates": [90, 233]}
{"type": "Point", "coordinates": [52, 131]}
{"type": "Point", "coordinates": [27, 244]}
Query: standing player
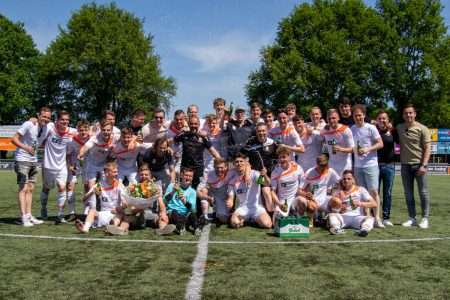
{"type": "Point", "coordinates": [194, 145]}
{"type": "Point", "coordinates": [27, 141]}
{"type": "Point", "coordinates": [285, 180]}
{"type": "Point", "coordinates": [75, 168]}
{"type": "Point", "coordinates": [312, 142]}
{"type": "Point", "coordinates": [218, 141]}
{"type": "Point", "coordinates": [98, 149]}
{"type": "Point", "coordinates": [339, 142]}
{"type": "Point", "coordinates": [126, 151]}
{"type": "Point", "coordinates": [286, 135]}
{"type": "Point", "coordinates": [54, 170]}
{"type": "Point", "coordinates": [238, 130]}
{"type": "Point", "coordinates": [368, 141]}
{"type": "Point", "coordinates": [157, 128]}
{"type": "Point", "coordinates": [248, 194]}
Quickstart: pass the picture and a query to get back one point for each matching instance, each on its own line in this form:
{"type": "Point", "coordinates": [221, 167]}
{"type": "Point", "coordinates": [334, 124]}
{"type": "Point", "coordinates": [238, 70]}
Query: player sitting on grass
{"type": "Point", "coordinates": [181, 203]}
{"type": "Point", "coordinates": [285, 179]}
{"type": "Point", "coordinates": [213, 190]}
{"type": "Point", "coordinates": [156, 214]}
{"type": "Point", "coordinates": [347, 206]}
{"type": "Point", "coordinates": [248, 192]}
{"type": "Point", "coordinates": [316, 188]}
{"type": "Point", "coordinates": [109, 193]}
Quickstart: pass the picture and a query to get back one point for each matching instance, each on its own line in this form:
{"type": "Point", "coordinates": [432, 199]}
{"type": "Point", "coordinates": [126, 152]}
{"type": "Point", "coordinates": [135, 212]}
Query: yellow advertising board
{"type": "Point", "coordinates": [6, 144]}
{"type": "Point", "coordinates": [434, 134]}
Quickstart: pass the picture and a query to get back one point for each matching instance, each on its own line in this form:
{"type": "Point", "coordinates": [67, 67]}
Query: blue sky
{"type": "Point", "coordinates": [208, 46]}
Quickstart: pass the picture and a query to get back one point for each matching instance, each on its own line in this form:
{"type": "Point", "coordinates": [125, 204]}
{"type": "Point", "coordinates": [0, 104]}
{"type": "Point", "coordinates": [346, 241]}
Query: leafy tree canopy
{"type": "Point", "coordinates": [103, 60]}
{"type": "Point", "coordinates": [18, 62]}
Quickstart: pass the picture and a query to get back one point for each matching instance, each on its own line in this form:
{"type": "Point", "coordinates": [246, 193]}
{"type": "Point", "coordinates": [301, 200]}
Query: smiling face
{"type": "Point", "coordinates": [179, 120]}
{"type": "Point", "coordinates": [382, 120]}
{"type": "Point", "coordinates": [261, 133]}
{"type": "Point", "coordinates": [186, 177]}
{"type": "Point", "coordinates": [333, 119]}
{"type": "Point", "coordinates": [83, 131]}
{"type": "Point", "coordinates": [283, 160]}
{"type": "Point", "coordinates": [358, 116]}
{"type": "Point", "coordinates": [315, 115]}
{"type": "Point", "coordinates": [194, 124]}
{"type": "Point", "coordinates": [63, 122]}
{"type": "Point", "coordinates": [347, 181]}
{"type": "Point", "coordinates": [221, 169]}
{"type": "Point", "coordinates": [44, 117]}
{"type": "Point", "coordinates": [159, 118]}
{"type": "Point", "coordinates": [138, 120]}
{"type": "Point", "coordinates": [346, 110]}
{"type": "Point", "coordinates": [283, 120]}
{"type": "Point", "coordinates": [106, 131]}
{"type": "Point", "coordinates": [145, 175]}
{"type": "Point", "coordinates": [409, 114]}
{"type": "Point", "coordinates": [126, 139]}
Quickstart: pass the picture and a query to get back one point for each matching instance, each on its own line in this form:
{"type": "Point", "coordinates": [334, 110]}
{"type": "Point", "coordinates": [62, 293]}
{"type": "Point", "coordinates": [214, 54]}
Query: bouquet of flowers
{"type": "Point", "coordinates": [142, 195]}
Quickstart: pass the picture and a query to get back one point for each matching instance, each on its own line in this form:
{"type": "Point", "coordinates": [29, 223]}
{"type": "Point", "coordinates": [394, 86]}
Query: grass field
{"type": "Point", "coordinates": [74, 269]}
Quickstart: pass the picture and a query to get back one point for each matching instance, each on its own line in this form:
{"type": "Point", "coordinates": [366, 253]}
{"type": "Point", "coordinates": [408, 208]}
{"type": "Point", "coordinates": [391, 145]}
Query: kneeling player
{"type": "Point", "coordinates": [285, 179]}
{"type": "Point", "coordinates": [156, 214]}
{"type": "Point", "coordinates": [109, 193]}
{"type": "Point", "coordinates": [181, 203]}
{"type": "Point", "coordinates": [247, 190]}
{"type": "Point", "coordinates": [214, 191]}
{"type": "Point", "coordinates": [347, 207]}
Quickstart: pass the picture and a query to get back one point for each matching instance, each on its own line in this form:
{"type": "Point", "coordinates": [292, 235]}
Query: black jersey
{"type": "Point", "coordinates": [193, 147]}
{"type": "Point", "coordinates": [259, 153]}
{"type": "Point", "coordinates": [238, 136]}
{"type": "Point", "coordinates": [156, 163]}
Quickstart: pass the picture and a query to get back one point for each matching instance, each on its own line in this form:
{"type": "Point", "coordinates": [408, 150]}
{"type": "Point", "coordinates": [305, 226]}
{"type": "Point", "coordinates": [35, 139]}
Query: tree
{"type": "Point", "coordinates": [323, 51]}
{"type": "Point", "coordinates": [418, 58]}
{"type": "Point", "coordinates": [103, 60]}
{"type": "Point", "coordinates": [18, 62]}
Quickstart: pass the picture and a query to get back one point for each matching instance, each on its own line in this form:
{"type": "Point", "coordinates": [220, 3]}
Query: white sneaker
{"type": "Point", "coordinates": [410, 223]}
{"type": "Point", "coordinates": [387, 223]}
{"type": "Point", "coordinates": [424, 223]}
{"type": "Point", "coordinates": [26, 222]}
{"type": "Point", "coordinates": [35, 221]}
{"type": "Point", "coordinates": [379, 224]}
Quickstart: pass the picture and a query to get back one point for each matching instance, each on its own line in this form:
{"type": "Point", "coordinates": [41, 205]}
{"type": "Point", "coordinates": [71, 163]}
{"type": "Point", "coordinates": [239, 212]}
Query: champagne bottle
{"type": "Point", "coordinates": [358, 147]}
{"type": "Point", "coordinates": [98, 195]}
{"type": "Point", "coordinates": [333, 143]}
{"type": "Point", "coordinates": [260, 180]}
{"type": "Point", "coordinates": [352, 204]}
{"type": "Point", "coordinates": [285, 206]}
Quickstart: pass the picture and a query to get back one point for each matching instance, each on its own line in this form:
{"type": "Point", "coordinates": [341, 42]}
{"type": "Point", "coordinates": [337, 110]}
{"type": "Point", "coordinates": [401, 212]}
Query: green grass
{"type": "Point", "coordinates": [59, 269]}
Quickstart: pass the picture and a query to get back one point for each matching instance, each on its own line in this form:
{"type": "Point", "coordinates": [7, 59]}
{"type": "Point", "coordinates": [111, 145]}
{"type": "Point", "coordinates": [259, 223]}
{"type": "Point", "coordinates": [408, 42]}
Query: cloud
{"type": "Point", "coordinates": [231, 49]}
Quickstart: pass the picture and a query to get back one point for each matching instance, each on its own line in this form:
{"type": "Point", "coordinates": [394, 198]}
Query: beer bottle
{"type": "Point", "coordinates": [358, 147]}
{"type": "Point", "coordinates": [333, 143]}
{"type": "Point", "coordinates": [285, 206]}
{"type": "Point", "coordinates": [352, 205]}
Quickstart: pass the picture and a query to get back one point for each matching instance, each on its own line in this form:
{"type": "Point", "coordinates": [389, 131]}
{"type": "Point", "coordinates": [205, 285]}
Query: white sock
{"type": "Point", "coordinates": [86, 226]}
{"type": "Point", "coordinates": [71, 202]}
{"type": "Point", "coordinates": [367, 224]}
{"type": "Point", "coordinates": [61, 198]}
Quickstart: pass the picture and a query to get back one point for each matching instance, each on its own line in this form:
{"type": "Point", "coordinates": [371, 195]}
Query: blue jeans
{"type": "Point", "coordinates": [408, 176]}
{"type": "Point", "coordinates": [387, 174]}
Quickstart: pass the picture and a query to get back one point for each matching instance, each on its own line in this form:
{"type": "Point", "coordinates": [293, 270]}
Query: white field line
{"type": "Point", "coordinates": [358, 241]}
{"type": "Point", "coordinates": [194, 287]}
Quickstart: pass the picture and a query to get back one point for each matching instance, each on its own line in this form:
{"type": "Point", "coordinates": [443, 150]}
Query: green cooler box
{"type": "Point", "coordinates": [292, 227]}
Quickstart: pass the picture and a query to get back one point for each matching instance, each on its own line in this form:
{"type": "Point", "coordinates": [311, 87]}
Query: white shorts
{"type": "Point", "coordinates": [91, 172]}
{"type": "Point", "coordinates": [250, 214]}
{"type": "Point", "coordinates": [323, 203]}
{"type": "Point", "coordinates": [131, 175]}
{"type": "Point", "coordinates": [221, 209]}
{"type": "Point", "coordinates": [353, 221]}
{"type": "Point", "coordinates": [104, 218]}
{"type": "Point", "coordinates": [52, 177]}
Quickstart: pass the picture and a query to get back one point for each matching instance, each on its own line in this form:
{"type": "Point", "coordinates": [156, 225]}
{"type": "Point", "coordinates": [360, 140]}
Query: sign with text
{"type": "Point", "coordinates": [443, 135]}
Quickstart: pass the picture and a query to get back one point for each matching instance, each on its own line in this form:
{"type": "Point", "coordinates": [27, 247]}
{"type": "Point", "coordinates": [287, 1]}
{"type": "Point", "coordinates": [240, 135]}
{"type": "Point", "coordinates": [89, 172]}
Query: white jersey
{"type": "Point", "coordinates": [342, 136]}
{"type": "Point", "coordinates": [150, 133]}
{"type": "Point", "coordinates": [248, 195]}
{"type": "Point", "coordinates": [320, 183]}
{"type": "Point", "coordinates": [217, 187]}
{"type": "Point", "coordinates": [98, 150]}
{"type": "Point", "coordinates": [127, 158]}
{"type": "Point", "coordinates": [73, 149]}
{"type": "Point", "coordinates": [357, 193]}
{"type": "Point", "coordinates": [111, 196]}
{"type": "Point", "coordinates": [55, 154]}
{"type": "Point", "coordinates": [28, 136]}
{"type": "Point", "coordinates": [313, 148]}
{"type": "Point", "coordinates": [288, 136]}
{"type": "Point", "coordinates": [286, 182]}
{"type": "Point", "coordinates": [365, 136]}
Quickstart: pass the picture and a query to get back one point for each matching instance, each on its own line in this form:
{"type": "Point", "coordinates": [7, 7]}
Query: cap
{"type": "Point", "coordinates": [240, 108]}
